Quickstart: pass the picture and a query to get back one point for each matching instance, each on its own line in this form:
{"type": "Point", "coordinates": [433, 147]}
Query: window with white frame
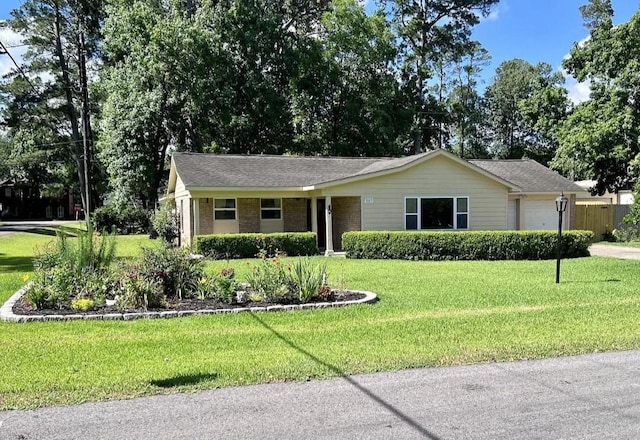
{"type": "Point", "coordinates": [436, 213]}
{"type": "Point", "coordinates": [224, 209]}
{"type": "Point", "coordinates": [270, 209]}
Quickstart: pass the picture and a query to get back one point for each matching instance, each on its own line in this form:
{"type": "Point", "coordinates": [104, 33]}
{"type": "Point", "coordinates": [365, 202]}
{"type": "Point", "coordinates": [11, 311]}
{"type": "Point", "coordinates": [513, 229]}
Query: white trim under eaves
{"type": "Point", "coordinates": [545, 193]}
{"type": "Point", "coordinates": [234, 189]}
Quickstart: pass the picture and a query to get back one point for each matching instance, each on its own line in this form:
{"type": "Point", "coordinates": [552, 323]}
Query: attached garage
{"type": "Point", "coordinates": [532, 206]}
{"type": "Point", "coordinates": [540, 214]}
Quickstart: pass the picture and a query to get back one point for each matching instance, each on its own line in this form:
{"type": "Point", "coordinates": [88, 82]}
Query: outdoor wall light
{"type": "Point", "coordinates": [561, 206]}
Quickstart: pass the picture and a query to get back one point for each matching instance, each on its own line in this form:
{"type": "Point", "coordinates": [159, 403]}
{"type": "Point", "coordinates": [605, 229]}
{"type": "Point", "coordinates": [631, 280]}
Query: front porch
{"type": "Point", "coordinates": [329, 217]}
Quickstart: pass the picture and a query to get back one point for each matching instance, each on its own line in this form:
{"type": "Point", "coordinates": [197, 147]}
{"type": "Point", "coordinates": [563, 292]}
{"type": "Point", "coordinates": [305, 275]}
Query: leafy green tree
{"type": "Point", "coordinates": [351, 105]}
{"type": "Point", "coordinates": [465, 105]}
{"type": "Point", "coordinates": [523, 102]}
{"type": "Point", "coordinates": [162, 91]}
{"type": "Point", "coordinates": [428, 32]}
{"type": "Point", "coordinates": [600, 139]}
{"type": "Point", "coordinates": [51, 90]}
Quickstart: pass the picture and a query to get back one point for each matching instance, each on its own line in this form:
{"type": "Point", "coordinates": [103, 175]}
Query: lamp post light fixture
{"type": "Point", "coordinates": [561, 206]}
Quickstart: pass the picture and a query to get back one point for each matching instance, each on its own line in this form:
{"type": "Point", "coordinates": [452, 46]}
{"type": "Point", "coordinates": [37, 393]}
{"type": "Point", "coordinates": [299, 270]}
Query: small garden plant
{"type": "Point", "coordinates": [299, 281]}
{"type": "Point", "coordinates": [81, 276]}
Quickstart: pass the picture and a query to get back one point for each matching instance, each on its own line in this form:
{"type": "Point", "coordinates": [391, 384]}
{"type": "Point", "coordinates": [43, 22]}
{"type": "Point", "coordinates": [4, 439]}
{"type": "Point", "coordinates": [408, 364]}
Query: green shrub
{"type": "Point", "coordinates": [165, 222]}
{"type": "Point", "coordinates": [226, 246]}
{"type": "Point", "coordinates": [275, 281]}
{"type": "Point", "coordinates": [67, 269]}
{"type": "Point", "coordinates": [125, 220]}
{"type": "Point", "coordinates": [469, 245]}
{"type": "Point", "coordinates": [37, 295]}
{"type": "Point", "coordinates": [627, 232]}
{"type": "Point", "coordinates": [137, 292]}
{"type": "Point", "coordinates": [174, 268]}
{"type": "Point", "coordinates": [83, 304]}
{"type": "Point", "coordinates": [225, 285]}
{"type": "Point", "coordinates": [268, 279]}
{"type": "Point", "coordinates": [307, 278]}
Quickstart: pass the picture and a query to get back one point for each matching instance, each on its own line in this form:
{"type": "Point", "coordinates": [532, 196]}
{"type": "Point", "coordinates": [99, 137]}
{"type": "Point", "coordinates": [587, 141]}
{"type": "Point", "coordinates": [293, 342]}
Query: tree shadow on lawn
{"type": "Point", "coordinates": [52, 232]}
{"type": "Point", "coordinates": [187, 379]}
{"type": "Point", "coordinates": [16, 264]}
{"type": "Point", "coordinates": [370, 394]}
{"type": "Point", "coordinates": [608, 280]}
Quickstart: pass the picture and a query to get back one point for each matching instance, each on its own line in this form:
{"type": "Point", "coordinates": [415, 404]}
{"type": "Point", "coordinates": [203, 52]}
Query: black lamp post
{"type": "Point", "coordinates": [561, 206]}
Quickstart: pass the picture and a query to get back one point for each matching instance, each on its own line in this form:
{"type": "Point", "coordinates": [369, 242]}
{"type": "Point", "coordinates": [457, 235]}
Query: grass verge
{"type": "Point", "coordinates": [633, 244]}
{"type": "Point", "coordinates": [429, 314]}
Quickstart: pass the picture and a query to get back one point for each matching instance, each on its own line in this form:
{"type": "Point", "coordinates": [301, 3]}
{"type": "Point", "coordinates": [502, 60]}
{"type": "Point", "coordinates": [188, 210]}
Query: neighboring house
{"type": "Point", "coordinates": [328, 195]}
{"type": "Point", "coordinates": [23, 202]}
{"type": "Point", "coordinates": [622, 197]}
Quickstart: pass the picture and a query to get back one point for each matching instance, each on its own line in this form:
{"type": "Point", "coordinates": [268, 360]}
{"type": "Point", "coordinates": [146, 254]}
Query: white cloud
{"type": "Point", "coordinates": [578, 91]}
{"type": "Point", "coordinates": [13, 42]}
{"type": "Point", "coordinates": [495, 13]}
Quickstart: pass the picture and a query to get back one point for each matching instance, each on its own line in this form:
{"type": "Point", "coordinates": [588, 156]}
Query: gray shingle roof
{"type": "Point", "coordinates": [528, 175]}
{"type": "Point", "coordinates": [212, 170]}
{"type": "Point", "coordinates": [198, 170]}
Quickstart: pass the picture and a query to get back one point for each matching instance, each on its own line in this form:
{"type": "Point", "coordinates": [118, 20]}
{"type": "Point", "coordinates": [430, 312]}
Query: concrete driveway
{"type": "Point", "coordinates": [607, 250]}
{"type": "Point", "coordinates": [583, 397]}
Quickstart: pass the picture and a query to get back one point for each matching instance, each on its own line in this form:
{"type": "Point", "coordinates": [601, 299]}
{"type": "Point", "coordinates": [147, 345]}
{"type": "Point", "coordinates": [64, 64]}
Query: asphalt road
{"type": "Point", "coordinates": [582, 397]}
{"type": "Point", "coordinates": [7, 228]}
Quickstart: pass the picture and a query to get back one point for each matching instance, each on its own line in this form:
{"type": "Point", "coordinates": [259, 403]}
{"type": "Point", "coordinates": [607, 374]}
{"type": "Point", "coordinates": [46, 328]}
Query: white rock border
{"type": "Point", "coordinates": [6, 311]}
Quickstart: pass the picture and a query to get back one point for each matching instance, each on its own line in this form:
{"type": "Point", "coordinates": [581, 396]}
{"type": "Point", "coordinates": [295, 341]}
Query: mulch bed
{"type": "Point", "coordinates": [22, 307]}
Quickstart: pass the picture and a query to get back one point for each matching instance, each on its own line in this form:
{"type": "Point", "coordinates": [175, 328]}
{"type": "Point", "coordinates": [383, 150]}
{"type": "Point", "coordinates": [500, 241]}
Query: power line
{"type": "Point", "coordinates": [5, 51]}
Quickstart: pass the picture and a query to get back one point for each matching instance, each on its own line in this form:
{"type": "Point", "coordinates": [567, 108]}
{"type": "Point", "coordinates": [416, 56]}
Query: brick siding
{"type": "Point", "coordinates": [294, 213]}
{"type": "Point", "coordinates": [346, 217]}
{"type": "Point", "coordinates": [248, 215]}
{"type": "Point", "coordinates": [205, 208]}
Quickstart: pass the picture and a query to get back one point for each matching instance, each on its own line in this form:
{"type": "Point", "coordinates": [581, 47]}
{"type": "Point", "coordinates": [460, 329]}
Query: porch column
{"type": "Point", "coordinates": [314, 217]}
{"type": "Point", "coordinates": [196, 217]}
{"type": "Point", "coordinates": [329, 230]}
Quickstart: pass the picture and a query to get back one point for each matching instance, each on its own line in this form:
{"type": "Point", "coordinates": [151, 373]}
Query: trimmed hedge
{"type": "Point", "coordinates": [127, 220]}
{"type": "Point", "coordinates": [248, 245]}
{"type": "Point", "coordinates": [467, 245]}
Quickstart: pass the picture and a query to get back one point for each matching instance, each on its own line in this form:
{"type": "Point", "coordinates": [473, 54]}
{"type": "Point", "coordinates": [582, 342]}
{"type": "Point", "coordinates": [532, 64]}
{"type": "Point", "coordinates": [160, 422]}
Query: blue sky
{"type": "Point", "coordinates": [534, 30]}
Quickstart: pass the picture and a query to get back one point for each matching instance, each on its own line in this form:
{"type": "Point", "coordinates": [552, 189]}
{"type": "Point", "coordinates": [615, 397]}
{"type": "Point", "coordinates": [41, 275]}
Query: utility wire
{"type": "Point", "coordinates": [5, 51]}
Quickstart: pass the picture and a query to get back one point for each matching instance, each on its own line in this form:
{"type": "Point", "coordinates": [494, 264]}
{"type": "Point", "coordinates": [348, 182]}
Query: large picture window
{"type": "Point", "coordinates": [436, 213]}
{"type": "Point", "coordinates": [270, 209]}
{"type": "Point", "coordinates": [224, 209]}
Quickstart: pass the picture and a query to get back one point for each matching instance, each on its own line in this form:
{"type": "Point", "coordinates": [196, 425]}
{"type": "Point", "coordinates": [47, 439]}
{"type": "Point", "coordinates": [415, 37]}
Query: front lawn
{"type": "Point", "coordinates": [634, 244]}
{"type": "Point", "coordinates": [430, 313]}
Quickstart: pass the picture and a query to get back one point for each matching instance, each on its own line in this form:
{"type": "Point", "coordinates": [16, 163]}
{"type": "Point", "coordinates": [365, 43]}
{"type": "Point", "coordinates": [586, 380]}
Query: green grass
{"type": "Point", "coordinates": [429, 314]}
{"type": "Point", "coordinates": [634, 244]}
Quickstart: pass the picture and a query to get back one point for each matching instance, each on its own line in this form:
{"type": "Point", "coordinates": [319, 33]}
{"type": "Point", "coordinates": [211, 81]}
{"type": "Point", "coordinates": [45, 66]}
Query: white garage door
{"type": "Point", "coordinates": [541, 214]}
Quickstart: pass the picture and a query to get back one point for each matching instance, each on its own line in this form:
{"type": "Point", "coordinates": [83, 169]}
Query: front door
{"type": "Point", "coordinates": [322, 225]}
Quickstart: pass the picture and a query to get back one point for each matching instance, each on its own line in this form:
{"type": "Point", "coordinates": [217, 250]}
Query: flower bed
{"type": "Point", "coordinates": [79, 280]}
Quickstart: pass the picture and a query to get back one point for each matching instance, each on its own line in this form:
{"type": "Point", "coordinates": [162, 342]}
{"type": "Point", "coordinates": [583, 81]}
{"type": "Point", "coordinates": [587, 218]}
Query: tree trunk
{"type": "Point", "coordinates": [87, 135]}
{"type": "Point", "coordinates": [70, 108]}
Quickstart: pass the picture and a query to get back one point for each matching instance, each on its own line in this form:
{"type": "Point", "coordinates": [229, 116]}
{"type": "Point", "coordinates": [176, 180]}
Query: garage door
{"type": "Point", "coordinates": [541, 214]}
